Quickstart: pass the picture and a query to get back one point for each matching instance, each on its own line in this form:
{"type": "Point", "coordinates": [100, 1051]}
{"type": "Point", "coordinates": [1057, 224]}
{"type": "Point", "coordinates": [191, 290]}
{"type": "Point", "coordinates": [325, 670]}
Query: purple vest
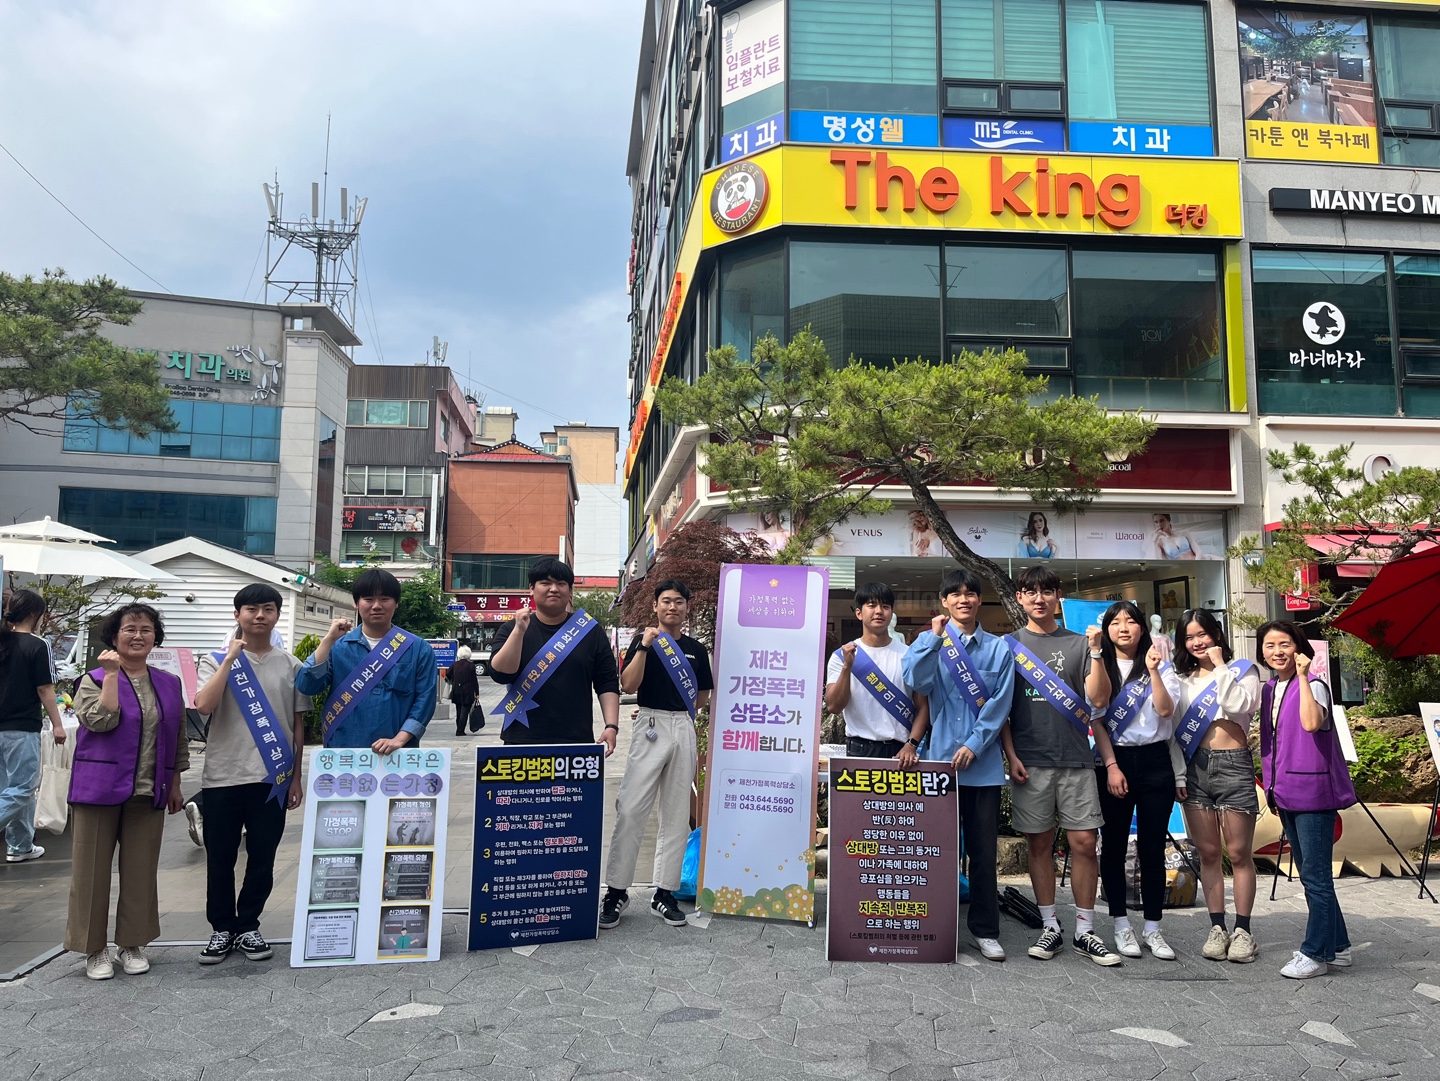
{"type": "Point", "coordinates": [106, 763]}
{"type": "Point", "coordinates": [1305, 769]}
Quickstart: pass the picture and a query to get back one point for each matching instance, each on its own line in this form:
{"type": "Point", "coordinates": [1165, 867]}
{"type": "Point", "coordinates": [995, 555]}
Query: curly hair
{"type": "Point", "coordinates": [110, 625]}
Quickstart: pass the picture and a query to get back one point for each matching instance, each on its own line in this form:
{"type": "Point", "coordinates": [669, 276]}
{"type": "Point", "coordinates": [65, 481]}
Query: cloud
{"type": "Point", "coordinates": [489, 138]}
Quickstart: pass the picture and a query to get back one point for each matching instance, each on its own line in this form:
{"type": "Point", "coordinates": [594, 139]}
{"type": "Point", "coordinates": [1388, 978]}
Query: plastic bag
{"type": "Point", "coordinates": [52, 807]}
{"type": "Point", "coordinates": [690, 869]}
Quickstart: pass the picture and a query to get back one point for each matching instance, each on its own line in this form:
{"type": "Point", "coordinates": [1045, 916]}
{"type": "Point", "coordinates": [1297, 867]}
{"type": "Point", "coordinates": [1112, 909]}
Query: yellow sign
{"type": "Point", "coordinates": [1310, 142]}
{"type": "Point", "coordinates": [964, 189]}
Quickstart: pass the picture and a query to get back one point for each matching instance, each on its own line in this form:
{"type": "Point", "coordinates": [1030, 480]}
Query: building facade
{"type": "Point", "coordinates": [599, 517]}
{"type": "Point", "coordinates": [402, 427]}
{"type": "Point", "coordinates": [508, 505]}
{"type": "Point", "coordinates": [1226, 216]}
{"type": "Point", "coordinates": [256, 391]}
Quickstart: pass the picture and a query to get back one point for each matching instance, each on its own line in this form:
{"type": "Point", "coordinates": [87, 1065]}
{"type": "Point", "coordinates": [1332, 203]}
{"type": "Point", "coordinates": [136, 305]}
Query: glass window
{"type": "Point", "coordinates": [139, 520]}
{"type": "Point", "coordinates": [419, 414]}
{"type": "Point", "coordinates": [209, 418]}
{"type": "Point", "coordinates": [355, 412]}
{"type": "Point", "coordinates": [81, 434]}
{"type": "Point", "coordinates": [266, 421]}
{"type": "Point", "coordinates": [868, 55]}
{"type": "Point", "coordinates": [993, 290]}
{"type": "Point", "coordinates": [752, 296]}
{"type": "Point", "coordinates": [490, 571]}
{"type": "Point", "coordinates": [395, 414]}
{"type": "Point", "coordinates": [1322, 333]}
{"type": "Point", "coordinates": [1413, 150]}
{"type": "Point", "coordinates": [879, 302]}
{"type": "Point", "coordinates": [204, 430]}
{"type": "Point", "coordinates": [1147, 329]}
{"type": "Point", "coordinates": [1001, 39]}
{"type": "Point", "coordinates": [1138, 60]}
{"type": "Point", "coordinates": [1405, 53]}
{"type": "Point", "coordinates": [1417, 299]}
{"type": "Point", "coordinates": [972, 97]}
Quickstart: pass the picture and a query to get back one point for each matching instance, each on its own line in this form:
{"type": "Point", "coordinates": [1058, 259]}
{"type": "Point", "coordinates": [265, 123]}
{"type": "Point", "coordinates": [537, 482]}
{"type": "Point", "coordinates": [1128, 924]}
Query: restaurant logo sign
{"type": "Point", "coordinates": [1324, 323]}
{"type": "Point", "coordinates": [1382, 204]}
{"type": "Point", "coordinates": [739, 197]}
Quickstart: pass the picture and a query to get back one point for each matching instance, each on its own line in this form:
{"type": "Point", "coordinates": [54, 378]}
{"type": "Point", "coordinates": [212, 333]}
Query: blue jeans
{"type": "Point", "coordinates": [1312, 837]}
{"type": "Point", "coordinates": [19, 788]}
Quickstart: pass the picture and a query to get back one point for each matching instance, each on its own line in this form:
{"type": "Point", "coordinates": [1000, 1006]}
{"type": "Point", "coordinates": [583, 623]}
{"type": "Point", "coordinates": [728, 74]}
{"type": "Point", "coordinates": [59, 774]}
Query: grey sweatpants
{"type": "Point", "coordinates": [663, 770]}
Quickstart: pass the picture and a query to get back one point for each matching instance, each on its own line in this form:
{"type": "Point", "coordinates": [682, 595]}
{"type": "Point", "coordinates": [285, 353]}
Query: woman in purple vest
{"type": "Point", "coordinates": [129, 756]}
{"type": "Point", "coordinates": [1307, 783]}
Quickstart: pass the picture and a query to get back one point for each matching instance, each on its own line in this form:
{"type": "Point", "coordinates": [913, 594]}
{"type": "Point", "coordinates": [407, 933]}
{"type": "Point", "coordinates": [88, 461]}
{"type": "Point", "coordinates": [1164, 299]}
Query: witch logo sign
{"type": "Point", "coordinates": [1324, 323]}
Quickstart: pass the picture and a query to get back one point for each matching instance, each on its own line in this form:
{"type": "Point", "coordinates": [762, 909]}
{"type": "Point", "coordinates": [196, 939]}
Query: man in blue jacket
{"type": "Point", "coordinates": [382, 678]}
{"type": "Point", "coordinates": [969, 685]}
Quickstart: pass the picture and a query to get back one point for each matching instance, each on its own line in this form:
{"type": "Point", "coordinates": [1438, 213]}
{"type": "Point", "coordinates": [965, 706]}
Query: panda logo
{"type": "Point", "coordinates": [738, 197]}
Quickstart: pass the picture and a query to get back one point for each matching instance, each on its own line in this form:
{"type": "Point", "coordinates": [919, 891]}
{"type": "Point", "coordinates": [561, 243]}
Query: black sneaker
{"type": "Point", "coordinates": [1093, 946]}
{"type": "Point", "coordinates": [221, 943]}
{"type": "Point", "coordinates": [610, 909]}
{"type": "Point", "coordinates": [253, 945]}
{"type": "Point", "coordinates": [668, 909]}
{"type": "Point", "coordinates": [1048, 944]}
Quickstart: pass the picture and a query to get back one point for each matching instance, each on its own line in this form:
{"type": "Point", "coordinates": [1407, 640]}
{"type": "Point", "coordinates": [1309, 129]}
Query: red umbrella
{"type": "Point", "coordinates": [1400, 610]}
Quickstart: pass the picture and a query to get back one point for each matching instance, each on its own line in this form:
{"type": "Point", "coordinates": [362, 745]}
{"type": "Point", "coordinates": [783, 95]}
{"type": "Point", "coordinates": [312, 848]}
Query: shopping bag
{"type": "Point", "coordinates": [52, 807]}
{"type": "Point", "coordinates": [690, 869]}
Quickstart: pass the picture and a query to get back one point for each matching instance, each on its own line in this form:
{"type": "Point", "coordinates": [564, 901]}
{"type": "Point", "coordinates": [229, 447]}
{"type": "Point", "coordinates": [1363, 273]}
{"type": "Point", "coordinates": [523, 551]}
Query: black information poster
{"type": "Point", "coordinates": [539, 817]}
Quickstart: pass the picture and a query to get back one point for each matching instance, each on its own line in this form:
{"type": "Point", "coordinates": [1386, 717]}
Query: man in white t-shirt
{"type": "Point", "coordinates": [875, 726]}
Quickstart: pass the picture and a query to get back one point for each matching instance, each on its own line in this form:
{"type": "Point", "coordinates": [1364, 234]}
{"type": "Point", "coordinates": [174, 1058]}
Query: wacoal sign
{"type": "Point", "coordinates": [958, 189]}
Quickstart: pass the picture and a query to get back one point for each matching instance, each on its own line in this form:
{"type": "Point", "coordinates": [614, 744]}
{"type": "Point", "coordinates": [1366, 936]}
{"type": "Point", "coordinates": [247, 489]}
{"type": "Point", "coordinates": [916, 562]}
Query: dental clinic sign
{"type": "Point", "coordinates": [1382, 204]}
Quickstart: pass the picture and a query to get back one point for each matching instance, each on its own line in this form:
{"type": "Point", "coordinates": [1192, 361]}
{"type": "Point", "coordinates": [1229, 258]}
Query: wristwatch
{"type": "Point", "coordinates": [913, 742]}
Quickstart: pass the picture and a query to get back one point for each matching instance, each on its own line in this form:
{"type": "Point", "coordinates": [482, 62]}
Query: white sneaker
{"type": "Point", "coordinates": [1158, 946]}
{"type": "Point", "coordinates": [1303, 968]}
{"type": "Point", "coordinates": [132, 960]}
{"type": "Point", "coordinates": [1343, 958]}
{"type": "Point", "coordinates": [20, 857]}
{"type": "Point", "coordinates": [990, 949]}
{"type": "Point", "coordinates": [196, 822]}
{"type": "Point", "coordinates": [98, 965]}
{"type": "Point", "coordinates": [1125, 943]}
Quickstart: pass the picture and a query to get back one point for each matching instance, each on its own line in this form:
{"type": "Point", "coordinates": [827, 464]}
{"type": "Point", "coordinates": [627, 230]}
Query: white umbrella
{"type": "Point", "coordinates": [75, 558]}
{"type": "Point", "coordinates": [45, 529]}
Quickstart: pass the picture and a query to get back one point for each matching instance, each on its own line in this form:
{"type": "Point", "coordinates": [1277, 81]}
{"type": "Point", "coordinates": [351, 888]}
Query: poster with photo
{"type": "Point", "coordinates": [372, 863]}
{"type": "Point", "coordinates": [1308, 84]}
{"type": "Point", "coordinates": [1430, 714]}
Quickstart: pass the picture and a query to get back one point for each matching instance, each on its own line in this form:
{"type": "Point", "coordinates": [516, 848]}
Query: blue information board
{"type": "Point", "coordinates": [1123, 137]}
{"type": "Point", "coordinates": [539, 820]}
{"type": "Point", "coordinates": [444, 651]}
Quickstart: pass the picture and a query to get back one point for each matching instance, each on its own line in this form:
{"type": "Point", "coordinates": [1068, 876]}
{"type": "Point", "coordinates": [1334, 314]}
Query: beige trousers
{"type": "Point", "coordinates": [137, 826]}
{"type": "Point", "coordinates": [661, 769]}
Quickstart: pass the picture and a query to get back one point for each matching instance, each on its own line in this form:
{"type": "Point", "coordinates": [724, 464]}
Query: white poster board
{"type": "Point", "coordinates": [1430, 714]}
{"type": "Point", "coordinates": [371, 882]}
{"type": "Point", "coordinates": [1343, 734]}
{"type": "Point", "coordinates": [752, 49]}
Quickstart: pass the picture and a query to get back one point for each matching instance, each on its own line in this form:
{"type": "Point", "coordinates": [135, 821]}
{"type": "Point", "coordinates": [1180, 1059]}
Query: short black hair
{"type": "Point", "coordinates": [557, 570]}
{"type": "Point", "coordinates": [1185, 661]}
{"type": "Point", "coordinates": [258, 593]}
{"type": "Point", "coordinates": [1284, 626]}
{"type": "Point", "coordinates": [375, 583]}
{"type": "Point", "coordinates": [1040, 578]}
{"type": "Point", "coordinates": [110, 625]}
{"type": "Point", "coordinates": [958, 579]}
{"type": "Point", "coordinates": [672, 585]}
{"type": "Point", "coordinates": [877, 592]}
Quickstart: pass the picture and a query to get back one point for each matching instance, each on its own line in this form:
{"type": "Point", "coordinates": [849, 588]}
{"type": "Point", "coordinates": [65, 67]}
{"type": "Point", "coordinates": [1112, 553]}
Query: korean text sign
{"type": "Point", "coordinates": [370, 888]}
{"type": "Point", "coordinates": [539, 822]}
{"type": "Point", "coordinates": [752, 49]}
{"type": "Point", "coordinates": [894, 857]}
{"type": "Point", "coordinates": [758, 857]}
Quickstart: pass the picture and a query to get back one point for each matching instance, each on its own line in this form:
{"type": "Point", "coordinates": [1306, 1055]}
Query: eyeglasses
{"type": "Point", "coordinates": [1033, 593]}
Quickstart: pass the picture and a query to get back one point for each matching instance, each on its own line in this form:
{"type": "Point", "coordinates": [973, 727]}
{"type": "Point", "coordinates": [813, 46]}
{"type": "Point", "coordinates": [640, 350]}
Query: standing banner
{"type": "Point", "coordinates": [370, 887]}
{"type": "Point", "coordinates": [758, 855]}
{"type": "Point", "coordinates": [539, 826]}
{"type": "Point", "coordinates": [894, 858]}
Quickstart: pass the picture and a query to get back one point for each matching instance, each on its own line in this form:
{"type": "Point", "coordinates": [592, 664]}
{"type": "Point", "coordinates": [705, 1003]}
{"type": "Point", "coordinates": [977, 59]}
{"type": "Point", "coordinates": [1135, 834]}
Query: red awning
{"type": "Point", "coordinates": [1365, 561]}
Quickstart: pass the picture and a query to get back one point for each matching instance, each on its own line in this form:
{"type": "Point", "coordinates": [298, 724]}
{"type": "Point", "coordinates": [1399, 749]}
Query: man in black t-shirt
{"type": "Point", "coordinates": [562, 712]}
{"type": "Point", "coordinates": [27, 684]}
{"type": "Point", "coordinates": [662, 760]}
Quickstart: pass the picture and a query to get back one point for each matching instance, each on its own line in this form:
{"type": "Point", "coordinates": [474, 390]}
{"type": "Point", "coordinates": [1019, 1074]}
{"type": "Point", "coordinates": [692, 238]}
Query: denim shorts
{"type": "Point", "coordinates": [1222, 781]}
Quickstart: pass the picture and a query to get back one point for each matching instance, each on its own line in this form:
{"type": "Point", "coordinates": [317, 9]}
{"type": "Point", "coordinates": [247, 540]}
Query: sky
{"type": "Point", "coordinates": [488, 136]}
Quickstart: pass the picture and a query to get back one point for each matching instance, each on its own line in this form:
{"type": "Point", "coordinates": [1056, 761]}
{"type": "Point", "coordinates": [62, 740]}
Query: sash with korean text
{"type": "Point", "coordinates": [266, 729]}
{"type": "Point", "coordinates": [1204, 709]}
{"type": "Point", "coordinates": [349, 692]}
{"type": "Point", "coordinates": [677, 666]}
{"type": "Point", "coordinates": [892, 698]}
{"type": "Point", "coordinates": [1131, 701]}
{"type": "Point", "coordinates": [1051, 687]}
{"type": "Point", "coordinates": [956, 660]}
{"type": "Point", "coordinates": [542, 666]}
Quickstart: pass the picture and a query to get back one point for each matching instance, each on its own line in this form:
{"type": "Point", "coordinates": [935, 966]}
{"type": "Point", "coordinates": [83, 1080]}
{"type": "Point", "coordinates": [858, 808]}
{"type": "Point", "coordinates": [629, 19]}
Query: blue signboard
{"type": "Point", "coordinates": [1118, 137]}
{"type": "Point", "coordinates": [761, 135]}
{"type": "Point", "coordinates": [455, 606]}
{"type": "Point", "coordinates": [444, 651]}
{"type": "Point", "coordinates": [864, 129]}
{"type": "Point", "coordinates": [539, 820]}
{"type": "Point", "coordinates": [1013, 136]}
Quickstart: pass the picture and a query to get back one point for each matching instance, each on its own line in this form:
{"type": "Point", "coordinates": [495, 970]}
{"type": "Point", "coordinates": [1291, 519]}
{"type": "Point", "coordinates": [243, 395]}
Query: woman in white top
{"type": "Point", "coordinates": [1141, 720]}
{"type": "Point", "coordinates": [1221, 801]}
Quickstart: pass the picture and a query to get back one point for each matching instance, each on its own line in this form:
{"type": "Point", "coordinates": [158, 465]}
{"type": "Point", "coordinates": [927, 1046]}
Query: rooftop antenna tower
{"type": "Point", "coordinates": [313, 258]}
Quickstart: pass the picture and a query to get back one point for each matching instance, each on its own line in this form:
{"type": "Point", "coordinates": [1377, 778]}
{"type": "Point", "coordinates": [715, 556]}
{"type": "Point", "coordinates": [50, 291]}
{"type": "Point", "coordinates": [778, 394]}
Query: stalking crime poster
{"type": "Point", "coordinates": [758, 855]}
{"type": "Point", "coordinates": [894, 858]}
{"type": "Point", "coordinates": [371, 881]}
{"type": "Point", "coordinates": [539, 824]}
